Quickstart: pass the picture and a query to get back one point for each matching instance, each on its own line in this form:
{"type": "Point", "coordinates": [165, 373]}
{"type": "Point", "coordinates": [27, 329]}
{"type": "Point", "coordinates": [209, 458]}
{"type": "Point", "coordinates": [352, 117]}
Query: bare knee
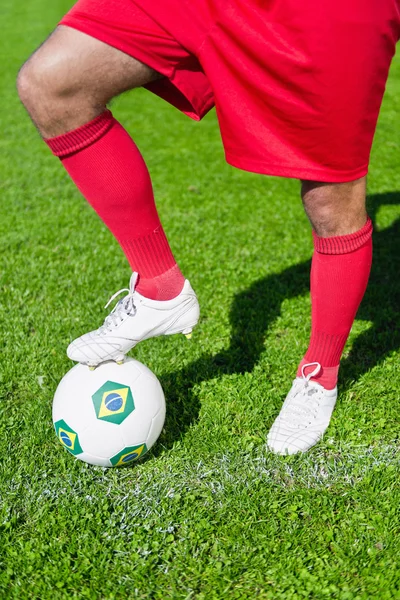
{"type": "Point", "coordinates": [41, 81]}
{"type": "Point", "coordinates": [71, 77]}
{"type": "Point", "coordinates": [24, 87]}
{"type": "Point", "coordinates": [335, 208]}
{"type": "Point", "coordinates": [54, 94]}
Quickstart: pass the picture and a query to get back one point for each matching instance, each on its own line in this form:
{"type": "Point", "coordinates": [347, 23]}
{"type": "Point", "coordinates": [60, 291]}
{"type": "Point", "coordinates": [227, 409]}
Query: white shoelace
{"type": "Point", "coordinates": [124, 307]}
{"type": "Point", "coordinates": [305, 398]}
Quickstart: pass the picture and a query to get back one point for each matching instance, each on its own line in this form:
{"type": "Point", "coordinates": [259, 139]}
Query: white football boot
{"type": "Point", "coordinates": [133, 319]}
{"type": "Point", "coordinates": [304, 416]}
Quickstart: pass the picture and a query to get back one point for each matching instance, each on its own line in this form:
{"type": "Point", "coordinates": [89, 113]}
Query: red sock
{"type": "Point", "coordinates": [339, 276]}
{"type": "Point", "coordinates": [108, 169]}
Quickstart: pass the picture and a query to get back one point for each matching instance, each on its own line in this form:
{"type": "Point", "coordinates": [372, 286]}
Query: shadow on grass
{"type": "Point", "coordinates": [254, 310]}
{"type": "Point", "coordinates": [381, 303]}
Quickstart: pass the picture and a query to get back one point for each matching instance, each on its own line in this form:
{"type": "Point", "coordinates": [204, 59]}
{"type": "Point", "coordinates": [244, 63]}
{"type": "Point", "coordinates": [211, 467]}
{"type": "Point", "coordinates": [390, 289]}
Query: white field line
{"type": "Point", "coordinates": [219, 476]}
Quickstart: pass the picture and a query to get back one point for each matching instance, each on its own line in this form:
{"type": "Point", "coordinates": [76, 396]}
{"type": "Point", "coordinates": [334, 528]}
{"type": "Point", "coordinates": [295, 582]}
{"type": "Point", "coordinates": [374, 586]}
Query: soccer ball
{"type": "Point", "coordinates": [110, 416]}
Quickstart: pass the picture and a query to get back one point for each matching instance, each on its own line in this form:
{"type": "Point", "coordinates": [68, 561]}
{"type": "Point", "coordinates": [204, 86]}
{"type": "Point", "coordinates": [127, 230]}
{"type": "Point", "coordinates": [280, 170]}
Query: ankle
{"type": "Point", "coordinates": [327, 376]}
{"type": "Point", "coordinates": [163, 287]}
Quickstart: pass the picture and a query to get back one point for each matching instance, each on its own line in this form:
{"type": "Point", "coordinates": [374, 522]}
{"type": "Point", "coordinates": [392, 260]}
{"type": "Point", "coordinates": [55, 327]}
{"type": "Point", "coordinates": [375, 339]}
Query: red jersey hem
{"type": "Point", "coordinates": [324, 175]}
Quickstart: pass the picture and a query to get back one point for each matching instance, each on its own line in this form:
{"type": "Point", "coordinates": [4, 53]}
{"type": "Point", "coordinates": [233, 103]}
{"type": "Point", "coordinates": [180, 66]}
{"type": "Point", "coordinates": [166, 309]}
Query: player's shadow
{"type": "Point", "coordinates": [381, 303]}
{"type": "Point", "coordinates": [255, 309]}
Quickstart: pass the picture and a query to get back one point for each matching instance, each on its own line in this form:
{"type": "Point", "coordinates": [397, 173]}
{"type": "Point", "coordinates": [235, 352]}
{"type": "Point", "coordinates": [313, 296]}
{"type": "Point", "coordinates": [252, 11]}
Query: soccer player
{"type": "Point", "coordinates": [297, 88]}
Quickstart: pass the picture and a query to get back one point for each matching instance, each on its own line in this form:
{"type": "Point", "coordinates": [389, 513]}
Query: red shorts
{"type": "Point", "coordinates": [297, 84]}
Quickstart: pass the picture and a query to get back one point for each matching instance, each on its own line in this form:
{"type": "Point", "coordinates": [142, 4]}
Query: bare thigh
{"type": "Point", "coordinates": [71, 77]}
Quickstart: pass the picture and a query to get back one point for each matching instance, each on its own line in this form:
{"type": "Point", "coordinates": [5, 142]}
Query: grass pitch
{"type": "Point", "coordinates": [210, 514]}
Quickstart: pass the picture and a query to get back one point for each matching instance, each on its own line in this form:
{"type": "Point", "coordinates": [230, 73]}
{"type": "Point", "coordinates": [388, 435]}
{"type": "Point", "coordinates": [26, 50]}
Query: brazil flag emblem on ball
{"type": "Point", "coordinates": [68, 437]}
{"type": "Point", "coordinates": [113, 402]}
{"type": "Point", "coordinates": [128, 455]}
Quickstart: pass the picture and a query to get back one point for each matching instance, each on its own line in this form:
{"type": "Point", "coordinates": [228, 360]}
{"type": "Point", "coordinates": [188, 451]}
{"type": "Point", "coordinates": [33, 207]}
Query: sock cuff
{"type": "Point", "coordinates": [343, 244]}
{"type": "Point", "coordinates": [78, 139]}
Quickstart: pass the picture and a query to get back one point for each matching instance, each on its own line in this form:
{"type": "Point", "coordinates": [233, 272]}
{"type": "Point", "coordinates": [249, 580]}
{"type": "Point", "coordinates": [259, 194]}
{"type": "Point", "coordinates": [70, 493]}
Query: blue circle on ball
{"type": "Point", "coordinates": [66, 439]}
{"type": "Point", "coordinates": [113, 402]}
{"type": "Point", "coordinates": [130, 456]}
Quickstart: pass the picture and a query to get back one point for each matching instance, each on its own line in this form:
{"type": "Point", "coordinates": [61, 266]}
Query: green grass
{"type": "Point", "coordinates": [209, 514]}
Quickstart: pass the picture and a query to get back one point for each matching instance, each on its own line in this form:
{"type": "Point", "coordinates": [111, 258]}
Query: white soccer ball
{"type": "Point", "coordinates": [110, 416]}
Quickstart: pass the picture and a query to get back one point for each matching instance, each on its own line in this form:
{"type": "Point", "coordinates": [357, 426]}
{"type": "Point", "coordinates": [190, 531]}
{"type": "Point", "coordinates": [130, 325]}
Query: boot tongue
{"type": "Point", "coordinates": [133, 281]}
